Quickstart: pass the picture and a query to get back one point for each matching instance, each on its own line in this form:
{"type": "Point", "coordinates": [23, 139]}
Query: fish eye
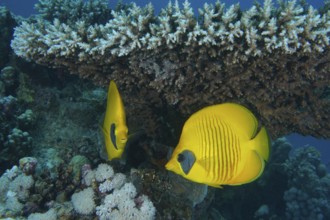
{"type": "Point", "coordinates": [181, 157]}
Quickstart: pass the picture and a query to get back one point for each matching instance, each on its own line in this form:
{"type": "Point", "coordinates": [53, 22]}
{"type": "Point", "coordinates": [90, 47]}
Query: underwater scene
{"type": "Point", "coordinates": [174, 110]}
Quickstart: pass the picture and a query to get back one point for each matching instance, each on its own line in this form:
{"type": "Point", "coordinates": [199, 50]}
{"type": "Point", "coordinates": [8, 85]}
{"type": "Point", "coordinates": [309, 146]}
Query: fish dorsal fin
{"type": "Point", "coordinates": [237, 116]}
{"type": "Point", "coordinates": [115, 102]}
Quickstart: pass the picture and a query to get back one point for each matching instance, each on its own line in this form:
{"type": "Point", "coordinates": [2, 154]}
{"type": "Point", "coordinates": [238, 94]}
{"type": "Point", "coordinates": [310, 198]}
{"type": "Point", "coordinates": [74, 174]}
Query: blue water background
{"type": "Point", "coordinates": [26, 7]}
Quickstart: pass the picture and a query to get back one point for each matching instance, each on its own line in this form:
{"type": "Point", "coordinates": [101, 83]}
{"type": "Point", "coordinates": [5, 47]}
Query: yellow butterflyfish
{"type": "Point", "coordinates": [221, 145]}
{"type": "Point", "coordinates": [114, 126]}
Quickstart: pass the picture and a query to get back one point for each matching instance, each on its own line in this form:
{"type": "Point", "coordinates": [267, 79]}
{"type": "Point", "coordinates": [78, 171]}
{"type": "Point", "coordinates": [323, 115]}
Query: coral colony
{"type": "Point", "coordinates": [120, 196]}
{"type": "Point", "coordinates": [272, 59]}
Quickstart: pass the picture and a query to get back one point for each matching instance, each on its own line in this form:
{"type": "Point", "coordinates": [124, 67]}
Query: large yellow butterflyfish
{"type": "Point", "coordinates": [221, 145]}
{"type": "Point", "coordinates": [114, 127]}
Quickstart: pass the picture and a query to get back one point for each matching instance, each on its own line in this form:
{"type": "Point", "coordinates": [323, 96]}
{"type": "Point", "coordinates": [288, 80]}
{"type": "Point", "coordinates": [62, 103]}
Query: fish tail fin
{"type": "Point", "coordinates": [261, 143]}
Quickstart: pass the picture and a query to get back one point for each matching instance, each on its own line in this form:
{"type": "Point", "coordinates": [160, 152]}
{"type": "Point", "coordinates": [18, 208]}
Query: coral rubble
{"type": "Point", "coordinates": [274, 60]}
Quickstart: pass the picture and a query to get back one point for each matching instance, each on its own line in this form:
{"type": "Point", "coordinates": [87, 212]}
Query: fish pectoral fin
{"type": "Point", "coordinates": [253, 169]}
{"type": "Point", "coordinates": [206, 163]}
{"type": "Point", "coordinates": [136, 135]}
{"type": "Point", "coordinates": [102, 129]}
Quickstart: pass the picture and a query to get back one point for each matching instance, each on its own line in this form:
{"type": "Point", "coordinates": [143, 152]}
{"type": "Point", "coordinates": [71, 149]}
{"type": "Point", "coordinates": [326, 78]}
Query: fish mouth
{"type": "Point", "coordinates": [123, 140]}
{"type": "Point", "coordinates": [170, 166]}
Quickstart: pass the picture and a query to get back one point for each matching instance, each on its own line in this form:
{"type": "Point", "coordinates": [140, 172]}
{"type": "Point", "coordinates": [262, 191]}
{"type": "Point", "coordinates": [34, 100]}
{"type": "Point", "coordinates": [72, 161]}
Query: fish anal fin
{"type": "Point", "coordinates": [216, 185]}
{"type": "Point", "coordinates": [253, 169]}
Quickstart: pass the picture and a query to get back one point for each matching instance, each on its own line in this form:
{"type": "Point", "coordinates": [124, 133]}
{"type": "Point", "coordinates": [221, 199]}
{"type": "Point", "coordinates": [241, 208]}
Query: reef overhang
{"type": "Point", "coordinates": [274, 60]}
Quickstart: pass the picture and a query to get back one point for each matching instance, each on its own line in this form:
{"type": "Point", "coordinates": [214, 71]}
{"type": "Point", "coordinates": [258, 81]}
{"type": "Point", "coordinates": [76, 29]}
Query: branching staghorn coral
{"type": "Point", "coordinates": [272, 60]}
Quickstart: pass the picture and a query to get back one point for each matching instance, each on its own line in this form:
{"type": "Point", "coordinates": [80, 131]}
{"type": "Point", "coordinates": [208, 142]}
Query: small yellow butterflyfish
{"type": "Point", "coordinates": [114, 126]}
{"type": "Point", "coordinates": [220, 145]}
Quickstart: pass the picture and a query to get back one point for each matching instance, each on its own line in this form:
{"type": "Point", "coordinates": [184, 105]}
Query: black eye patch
{"type": "Point", "coordinates": [112, 135]}
{"type": "Point", "coordinates": [181, 158]}
{"type": "Point", "coordinates": [186, 160]}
